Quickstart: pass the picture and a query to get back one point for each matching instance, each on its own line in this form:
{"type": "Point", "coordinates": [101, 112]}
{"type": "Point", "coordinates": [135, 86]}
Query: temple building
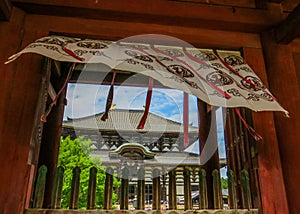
{"type": "Point", "coordinates": [160, 145]}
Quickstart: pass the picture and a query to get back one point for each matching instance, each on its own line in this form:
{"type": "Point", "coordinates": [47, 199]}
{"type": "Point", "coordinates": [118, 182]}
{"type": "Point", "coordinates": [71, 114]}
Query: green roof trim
{"type": "Point", "coordinates": [132, 148]}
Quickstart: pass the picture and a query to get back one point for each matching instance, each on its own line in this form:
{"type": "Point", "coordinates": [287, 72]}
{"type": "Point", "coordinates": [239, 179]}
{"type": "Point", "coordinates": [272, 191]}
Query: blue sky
{"type": "Point", "coordinates": [88, 99]}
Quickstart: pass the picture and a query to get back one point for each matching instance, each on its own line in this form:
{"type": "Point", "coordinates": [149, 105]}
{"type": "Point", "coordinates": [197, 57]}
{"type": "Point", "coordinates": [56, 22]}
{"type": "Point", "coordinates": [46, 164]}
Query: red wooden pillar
{"type": "Point", "coordinates": [208, 145]}
{"type": "Point", "coordinates": [271, 179]}
{"type": "Point", "coordinates": [283, 81]}
{"type": "Point", "coordinates": [20, 85]}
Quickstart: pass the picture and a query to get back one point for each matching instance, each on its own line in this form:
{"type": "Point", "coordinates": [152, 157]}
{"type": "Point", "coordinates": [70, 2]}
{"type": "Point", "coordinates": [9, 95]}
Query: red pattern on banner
{"type": "Point", "coordinates": [221, 92]}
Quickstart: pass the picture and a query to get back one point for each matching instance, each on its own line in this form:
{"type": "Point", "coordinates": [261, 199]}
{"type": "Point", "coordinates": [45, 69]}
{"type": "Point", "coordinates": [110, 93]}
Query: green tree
{"type": "Point", "coordinates": [74, 153]}
{"type": "Point", "coordinates": [224, 183]}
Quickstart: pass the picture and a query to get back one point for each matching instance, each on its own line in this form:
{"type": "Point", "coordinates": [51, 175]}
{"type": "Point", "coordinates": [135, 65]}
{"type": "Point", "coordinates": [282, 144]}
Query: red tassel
{"type": "Point", "coordinates": [110, 97]}
{"type": "Point", "coordinates": [185, 120]}
{"type": "Point", "coordinates": [253, 133]}
{"type": "Point", "coordinates": [148, 101]}
{"type": "Point", "coordinates": [108, 103]}
{"type": "Point", "coordinates": [71, 53]}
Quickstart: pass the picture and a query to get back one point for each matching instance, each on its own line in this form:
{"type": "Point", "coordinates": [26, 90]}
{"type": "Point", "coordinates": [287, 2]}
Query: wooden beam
{"type": "Point", "coordinates": [5, 10]}
{"type": "Point", "coordinates": [276, 1]}
{"type": "Point", "coordinates": [289, 29]}
{"type": "Point", "coordinates": [289, 5]}
{"type": "Point", "coordinates": [240, 3]}
{"type": "Point", "coordinates": [158, 12]}
{"type": "Point", "coordinates": [115, 30]}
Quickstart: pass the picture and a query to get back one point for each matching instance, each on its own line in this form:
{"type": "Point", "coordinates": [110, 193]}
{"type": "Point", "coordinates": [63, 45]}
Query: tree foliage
{"type": "Point", "coordinates": [224, 183]}
{"type": "Point", "coordinates": [74, 153]}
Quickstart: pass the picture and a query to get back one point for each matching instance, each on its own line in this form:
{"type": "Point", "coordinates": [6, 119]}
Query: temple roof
{"type": "Point", "coordinates": [127, 120]}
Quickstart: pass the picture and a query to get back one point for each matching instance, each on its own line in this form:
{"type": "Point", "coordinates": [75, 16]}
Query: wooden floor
{"type": "Point", "coordinates": [52, 211]}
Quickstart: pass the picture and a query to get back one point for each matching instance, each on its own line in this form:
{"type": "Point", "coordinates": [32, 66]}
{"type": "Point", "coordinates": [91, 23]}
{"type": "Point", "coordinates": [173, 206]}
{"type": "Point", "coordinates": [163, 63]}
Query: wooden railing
{"type": "Point", "coordinates": [37, 205]}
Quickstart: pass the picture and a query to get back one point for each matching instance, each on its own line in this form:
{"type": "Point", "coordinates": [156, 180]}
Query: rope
{"type": "Point", "coordinates": [44, 116]}
{"type": "Point", "coordinates": [252, 131]}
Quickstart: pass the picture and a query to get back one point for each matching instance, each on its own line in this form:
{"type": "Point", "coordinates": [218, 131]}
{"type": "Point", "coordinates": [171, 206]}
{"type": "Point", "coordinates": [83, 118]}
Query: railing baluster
{"type": "Point", "coordinates": [156, 189]}
{"type": "Point", "coordinates": [246, 189]}
{"type": "Point", "coordinates": [40, 187]}
{"type": "Point", "coordinates": [92, 188]}
{"type": "Point", "coordinates": [203, 200]}
{"type": "Point", "coordinates": [124, 189]}
{"type": "Point", "coordinates": [75, 188]}
{"type": "Point", "coordinates": [141, 189]}
{"type": "Point", "coordinates": [232, 190]}
{"type": "Point", "coordinates": [172, 190]}
{"type": "Point", "coordinates": [217, 190]}
{"type": "Point", "coordinates": [108, 189]}
{"type": "Point", "coordinates": [57, 188]}
{"type": "Point", "coordinates": [187, 189]}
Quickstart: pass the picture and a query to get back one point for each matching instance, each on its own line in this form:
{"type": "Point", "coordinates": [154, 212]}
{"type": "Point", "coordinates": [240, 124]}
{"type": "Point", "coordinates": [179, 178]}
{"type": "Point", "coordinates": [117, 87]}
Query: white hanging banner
{"type": "Point", "coordinates": [217, 77]}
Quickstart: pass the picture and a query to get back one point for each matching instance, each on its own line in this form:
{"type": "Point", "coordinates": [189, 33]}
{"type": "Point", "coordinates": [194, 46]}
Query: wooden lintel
{"type": "Point", "coordinates": [116, 30]}
{"type": "Point", "coordinates": [5, 10]}
{"type": "Point", "coordinates": [162, 12]}
{"type": "Point", "coordinates": [51, 92]}
{"type": "Point", "coordinates": [289, 29]}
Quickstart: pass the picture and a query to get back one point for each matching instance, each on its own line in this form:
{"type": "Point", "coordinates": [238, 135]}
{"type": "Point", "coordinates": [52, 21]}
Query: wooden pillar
{"type": "Point", "coordinates": [91, 199]}
{"type": "Point", "coordinates": [156, 189]}
{"type": "Point", "coordinates": [40, 187]}
{"type": "Point", "coordinates": [218, 203]}
{"type": "Point", "coordinates": [172, 190]}
{"type": "Point", "coordinates": [51, 138]}
{"type": "Point", "coordinates": [75, 186]}
{"type": "Point", "coordinates": [141, 190]}
{"type": "Point", "coordinates": [57, 188]}
{"type": "Point", "coordinates": [209, 155]}
{"type": "Point", "coordinates": [20, 84]}
{"type": "Point", "coordinates": [203, 201]}
{"type": "Point", "coordinates": [108, 189]}
{"type": "Point", "coordinates": [187, 189]}
{"type": "Point", "coordinates": [124, 189]}
{"type": "Point", "coordinates": [273, 195]}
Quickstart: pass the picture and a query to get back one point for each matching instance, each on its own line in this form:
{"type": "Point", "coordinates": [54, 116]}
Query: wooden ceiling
{"type": "Point", "coordinates": [253, 16]}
